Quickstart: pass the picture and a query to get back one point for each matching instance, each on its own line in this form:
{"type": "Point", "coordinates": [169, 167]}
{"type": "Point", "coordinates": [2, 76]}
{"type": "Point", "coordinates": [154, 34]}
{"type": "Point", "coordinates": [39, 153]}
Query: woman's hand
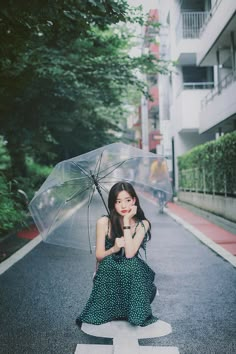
{"type": "Point", "coordinates": [131, 213]}
{"type": "Point", "coordinates": [119, 243]}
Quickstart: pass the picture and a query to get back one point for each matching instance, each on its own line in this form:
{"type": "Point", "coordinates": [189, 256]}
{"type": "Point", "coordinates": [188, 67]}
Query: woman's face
{"type": "Point", "coordinates": [124, 202]}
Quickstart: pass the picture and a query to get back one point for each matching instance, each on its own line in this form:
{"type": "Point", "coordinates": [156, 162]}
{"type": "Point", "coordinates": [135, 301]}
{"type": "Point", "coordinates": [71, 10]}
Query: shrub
{"type": "Point", "coordinates": [4, 156]}
{"type": "Point", "coordinates": [36, 176]}
{"type": "Point", "coordinates": [10, 211]}
{"type": "Point", "coordinates": [210, 167]}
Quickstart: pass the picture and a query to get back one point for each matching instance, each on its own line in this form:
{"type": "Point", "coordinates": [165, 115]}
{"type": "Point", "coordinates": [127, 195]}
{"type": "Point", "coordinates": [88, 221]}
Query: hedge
{"type": "Point", "coordinates": [211, 167]}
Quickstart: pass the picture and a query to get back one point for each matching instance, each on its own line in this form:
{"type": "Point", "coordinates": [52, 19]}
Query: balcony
{"type": "Point", "coordinates": [215, 31]}
{"type": "Point", "coordinates": [190, 24]}
{"type": "Point", "coordinates": [197, 86]}
{"type": "Point", "coordinates": [188, 105]}
{"type": "Point", "coordinates": [187, 36]}
{"type": "Point", "coordinates": [219, 104]}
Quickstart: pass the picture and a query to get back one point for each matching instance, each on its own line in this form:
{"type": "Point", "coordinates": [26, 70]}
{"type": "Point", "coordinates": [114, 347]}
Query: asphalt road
{"type": "Point", "coordinates": [41, 295]}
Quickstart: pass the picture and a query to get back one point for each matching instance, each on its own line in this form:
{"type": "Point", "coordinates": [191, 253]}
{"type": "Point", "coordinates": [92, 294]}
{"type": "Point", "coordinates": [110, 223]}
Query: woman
{"type": "Point", "coordinates": [123, 285]}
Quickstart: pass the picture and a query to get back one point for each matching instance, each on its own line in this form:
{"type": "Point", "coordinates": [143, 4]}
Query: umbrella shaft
{"type": "Point", "coordinates": [99, 191]}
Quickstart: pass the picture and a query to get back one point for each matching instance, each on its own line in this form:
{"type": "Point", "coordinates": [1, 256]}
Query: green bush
{"type": "Point", "coordinates": [4, 156]}
{"type": "Point", "coordinates": [210, 167]}
{"type": "Point", "coordinates": [36, 176]}
{"type": "Point", "coordinates": [14, 203]}
{"type": "Point", "coordinates": [11, 213]}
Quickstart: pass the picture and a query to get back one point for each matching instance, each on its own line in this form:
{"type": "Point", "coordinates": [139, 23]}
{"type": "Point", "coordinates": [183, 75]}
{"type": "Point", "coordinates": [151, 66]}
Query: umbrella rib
{"type": "Point", "coordinates": [63, 183]}
{"type": "Point", "coordinates": [122, 179]}
{"type": "Point", "coordinates": [91, 195]}
{"type": "Point", "coordinates": [104, 189]}
{"type": "Point", "coordinates": [117, 165]}
{"type": "Point", "coordinates": [82, 169]}
{"type": "Point", "coordinates": [98, 165]}
{"type": "Point", "coordinates": [76, 179]}
{"type": "Point", "coordinates": [77, 194]}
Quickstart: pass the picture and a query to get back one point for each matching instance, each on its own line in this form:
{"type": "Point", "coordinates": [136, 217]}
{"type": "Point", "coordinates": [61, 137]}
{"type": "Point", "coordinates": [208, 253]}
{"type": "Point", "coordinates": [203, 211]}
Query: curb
{"type": "Point", "coordinates": [5, 265]}
{"type": "Point", "coordinates": [204, 239]}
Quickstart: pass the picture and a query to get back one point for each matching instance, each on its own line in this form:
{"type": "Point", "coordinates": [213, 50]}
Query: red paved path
{"type": "Point", "coordinates": [15, 241]}
{"type": "Point", "coordinates": [224, 238]}
{"type": "Point", "coordinates": [29, 233]}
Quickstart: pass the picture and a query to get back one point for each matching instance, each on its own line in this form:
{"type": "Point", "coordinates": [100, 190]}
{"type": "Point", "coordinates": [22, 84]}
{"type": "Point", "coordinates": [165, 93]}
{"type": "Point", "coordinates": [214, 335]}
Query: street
{"type": "Point", "coordinates": [42, 294]}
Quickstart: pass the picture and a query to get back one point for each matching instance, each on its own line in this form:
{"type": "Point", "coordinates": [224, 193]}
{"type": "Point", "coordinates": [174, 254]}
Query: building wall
{"type": "Point", "coordinates": [191, 123]}
{"type": "Point", "coordinates": [220, 108]}
{"type": "Point", "coordinates": [216, 204]}
{"type": "Point", "coordinates": [221, 15]}
{"type": "Point", "coordinates": [185, 110]}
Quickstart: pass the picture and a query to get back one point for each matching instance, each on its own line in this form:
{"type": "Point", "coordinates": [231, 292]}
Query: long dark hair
{"type": "Point", "coordinates": [115, 218]}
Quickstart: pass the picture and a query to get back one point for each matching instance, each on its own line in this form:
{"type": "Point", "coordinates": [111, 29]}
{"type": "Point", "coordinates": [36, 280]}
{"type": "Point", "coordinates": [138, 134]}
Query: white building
{"type": "Point", "coordinates": [201, 93]}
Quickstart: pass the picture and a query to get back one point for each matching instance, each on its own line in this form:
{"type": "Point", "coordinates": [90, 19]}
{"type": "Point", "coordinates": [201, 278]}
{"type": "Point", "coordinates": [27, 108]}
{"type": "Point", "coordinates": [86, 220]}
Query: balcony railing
{"type": "Point", "coordinates": [208, 180]}
{"type": "Point", "coordinates": [195, 86]}
{"type": "Point", "coordinates": [211, 13]}
{"type": "Point", "coordinates": [190, 24]}
{"type": "Point", "coordinates": [223, 84]}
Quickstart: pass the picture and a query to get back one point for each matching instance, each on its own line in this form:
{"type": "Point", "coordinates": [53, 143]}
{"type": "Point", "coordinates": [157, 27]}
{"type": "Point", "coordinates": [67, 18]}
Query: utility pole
{"type": "Point", "coordinates": [144, 119]}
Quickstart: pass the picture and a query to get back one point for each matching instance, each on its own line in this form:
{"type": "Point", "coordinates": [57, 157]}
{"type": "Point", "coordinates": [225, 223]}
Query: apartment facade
{"type": "Point", "coordinates": [201, 90]}
{"type": "Point", "coordinates": [151, 45]}
{"type": "Point", "coordinates": [147, 127]}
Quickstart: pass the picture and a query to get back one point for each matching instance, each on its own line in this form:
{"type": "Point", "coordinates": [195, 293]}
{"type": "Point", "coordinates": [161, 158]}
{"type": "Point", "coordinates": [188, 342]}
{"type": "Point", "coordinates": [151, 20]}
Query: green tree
{"type": "Point", "coordinates": [64, 75]}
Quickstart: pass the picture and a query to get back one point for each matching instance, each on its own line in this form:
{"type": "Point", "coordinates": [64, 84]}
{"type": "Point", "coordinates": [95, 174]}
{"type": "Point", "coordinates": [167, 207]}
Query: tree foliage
{"type": "Point", "coordinates": [64, 73]}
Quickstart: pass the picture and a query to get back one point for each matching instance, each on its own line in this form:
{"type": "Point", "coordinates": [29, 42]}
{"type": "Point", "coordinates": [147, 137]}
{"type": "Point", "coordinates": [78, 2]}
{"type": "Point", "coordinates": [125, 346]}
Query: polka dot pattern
{"type": "Point", "coordinates": [123, 289]}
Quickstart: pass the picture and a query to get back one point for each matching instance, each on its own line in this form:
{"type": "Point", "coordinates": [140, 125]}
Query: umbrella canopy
{"type": "Point", "coordinates": [74, 195]}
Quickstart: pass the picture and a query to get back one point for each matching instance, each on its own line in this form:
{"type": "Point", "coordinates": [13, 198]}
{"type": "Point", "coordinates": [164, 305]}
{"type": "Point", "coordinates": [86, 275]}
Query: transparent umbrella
{"type": "Point", "coordinates": [74, 195]}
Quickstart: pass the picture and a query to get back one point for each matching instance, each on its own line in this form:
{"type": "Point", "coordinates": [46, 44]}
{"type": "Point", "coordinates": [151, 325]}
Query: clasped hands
{"type": "Point", "coordinates": [119, 243]}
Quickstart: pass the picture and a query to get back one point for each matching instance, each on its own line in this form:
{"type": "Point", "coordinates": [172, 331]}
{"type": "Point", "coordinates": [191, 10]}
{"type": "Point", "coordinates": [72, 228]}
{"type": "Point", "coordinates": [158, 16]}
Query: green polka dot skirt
{"type": "Point", "coordinates": [123, 289]}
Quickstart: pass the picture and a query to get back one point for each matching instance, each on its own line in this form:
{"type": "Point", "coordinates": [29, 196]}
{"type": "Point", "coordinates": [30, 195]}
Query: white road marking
{"type": "Point", "coordinates": [125, 336]}
{"type": "Point", "coordinates": [5, 265]}
{"type": "Point", "coordinates": [159, 350]}
{"type": "Point", "coordinates": [93, 349]}
{"type": "Point", "coordinates": [123, 329]}
{"type": "Point", "coordinates": [108, 349]}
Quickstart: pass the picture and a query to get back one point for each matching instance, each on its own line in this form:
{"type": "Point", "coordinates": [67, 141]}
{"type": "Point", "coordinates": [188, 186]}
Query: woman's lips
{"type": "Point", "coordinates": [124, 211]}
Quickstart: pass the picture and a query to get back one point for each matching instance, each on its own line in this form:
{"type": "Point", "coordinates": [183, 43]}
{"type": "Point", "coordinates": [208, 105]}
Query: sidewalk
{"type": "Point", "coordinates": [206, 228]}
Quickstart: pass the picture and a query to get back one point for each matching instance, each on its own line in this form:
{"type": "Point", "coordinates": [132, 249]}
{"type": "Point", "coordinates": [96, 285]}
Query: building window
{"type": "Point", "coordinates": [197, 77]}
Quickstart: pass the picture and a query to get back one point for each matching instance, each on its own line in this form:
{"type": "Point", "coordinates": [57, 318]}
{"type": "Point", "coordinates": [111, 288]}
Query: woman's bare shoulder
{"type": "Point", "coordinates": [146, 224]}
{"type": "Point", "coordinates": [103, 221]}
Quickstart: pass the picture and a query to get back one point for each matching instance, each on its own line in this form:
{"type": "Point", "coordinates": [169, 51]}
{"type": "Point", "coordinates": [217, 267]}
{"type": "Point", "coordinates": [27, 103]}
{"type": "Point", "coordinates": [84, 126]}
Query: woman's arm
{"type": "Point", "coordinates": [101, 231]}
{"type": "Point", "coordinates": [132, 245]}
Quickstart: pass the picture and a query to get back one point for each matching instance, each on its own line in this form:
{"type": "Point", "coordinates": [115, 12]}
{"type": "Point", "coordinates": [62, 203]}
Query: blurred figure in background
{"type": "Point", "coordinates": [158, 174]}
